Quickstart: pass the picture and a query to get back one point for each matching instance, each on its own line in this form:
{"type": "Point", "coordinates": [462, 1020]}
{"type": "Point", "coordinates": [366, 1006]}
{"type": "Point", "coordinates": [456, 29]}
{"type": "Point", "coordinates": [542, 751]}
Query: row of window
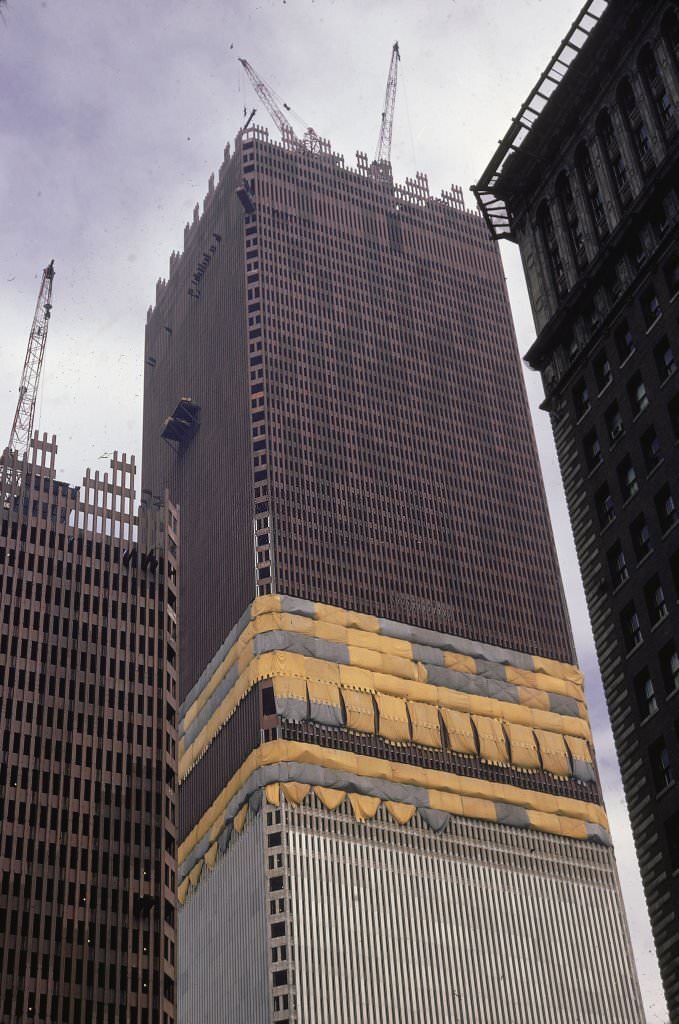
{"type": "Point", "coordinates": [657, 609]}
{"type": "Point", "coordinates": [580, 191]}
{"type": "Point", "coordinates": [28, 1006]}
{"type": "Point", "coordinates": [665, 364]}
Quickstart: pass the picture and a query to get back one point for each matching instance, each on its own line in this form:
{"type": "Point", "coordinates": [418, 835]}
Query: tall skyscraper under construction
{"type": "Point", "coordinates": [388, 807]}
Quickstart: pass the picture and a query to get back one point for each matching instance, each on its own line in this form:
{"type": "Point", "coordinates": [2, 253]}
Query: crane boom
{"type": "Point", "coordinates": [275, 106]}
{"type": "Point", "coordinates": [269, 100]}
{"type": "Point", "coordinates": [22, 427]}
{"type": "Point", "coordinates": [383, 153]}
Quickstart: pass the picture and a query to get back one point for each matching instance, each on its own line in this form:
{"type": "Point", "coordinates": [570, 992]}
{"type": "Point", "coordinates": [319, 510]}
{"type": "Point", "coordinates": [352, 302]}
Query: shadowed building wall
{"type": "Point", "coordinates": [588, 189]}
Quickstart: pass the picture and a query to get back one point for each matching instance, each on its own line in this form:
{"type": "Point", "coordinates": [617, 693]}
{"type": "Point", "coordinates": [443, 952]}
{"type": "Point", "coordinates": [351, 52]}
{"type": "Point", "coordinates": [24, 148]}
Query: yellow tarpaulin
{"type": "Point", "coordinates": [323, 692]}
{"type": "Point", "coordinates": [579, 748]}
{"type": "Point", "coordinates": [425, 722]}
{"type": "Point", "coordinates": [289, 687]}
{"type": "Point", "coordinates": [295, 792]}
{"type": "Point", "coordinates": [477, 807]}
{"type": "Point", "coordinates": [279, 752]}
{"type": "Point", "coordinates": [402, 813]}
{"type": "Point", "coordinates": [560, 669]}
{"type": "Point", "coordinates": [458, 725]}
{"type": "Point", "coordinates": [272, 794]}
{"type": "Point", "coordinates": [393, 718]}
{"type": "Point", "coordinates": [364, 807]}
{"type": "Point", "coordinates": [265, 604]}
{"type": "Point", "coordinates": [459, 662]}
{"type": "Point", "coordinates": [523, 746]}
{"type": "Point", "coordinates": [182, 890]}
{"type": "Point", "coordinates": [342, 617]}
{"type": "Point", "coordinates": [532, 698]}
{"type": "Point", "coordinates": [492, 742]}
{"type": "Point", "coordinates": [360, 710]}
{"type": "Point", "coordinates": [553, 752]}
{"type": "Point", "coordinates": [330, 798]}
{"type": "Point", "coordinates": [239, 820]}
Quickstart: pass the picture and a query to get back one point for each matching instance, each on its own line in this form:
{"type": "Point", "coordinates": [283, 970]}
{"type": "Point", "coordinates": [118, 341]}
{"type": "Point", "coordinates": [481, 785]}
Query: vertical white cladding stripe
{"type": "Point", "coordinates": [435, 916]}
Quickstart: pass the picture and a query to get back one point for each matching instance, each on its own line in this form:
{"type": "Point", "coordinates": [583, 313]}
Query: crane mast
{"type": "Point", "coordinates": [22, 427]}
{"type": "Point", "coordinates": [383, 153]}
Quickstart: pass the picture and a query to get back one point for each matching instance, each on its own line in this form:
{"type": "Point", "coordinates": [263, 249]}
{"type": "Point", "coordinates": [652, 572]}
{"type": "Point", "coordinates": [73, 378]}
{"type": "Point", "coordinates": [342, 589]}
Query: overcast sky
{"type": "Point", "coordinates": [113, 116]}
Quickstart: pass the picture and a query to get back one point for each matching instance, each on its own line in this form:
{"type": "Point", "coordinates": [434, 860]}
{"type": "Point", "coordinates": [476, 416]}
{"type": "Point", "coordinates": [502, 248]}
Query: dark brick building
{"type": "Point", "coordinates": [586, 182]}
{"type": "Point", "coordinates": [88, 698]}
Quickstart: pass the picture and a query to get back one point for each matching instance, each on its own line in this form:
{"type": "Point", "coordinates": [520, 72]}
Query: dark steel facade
{"type": "Point", "coordinates": [334, 398]}
{"type": "Point", "coordinates": [88, 699]}
{"type": "Point", "coordinates": [589, 191]}
{"type": "Point", "coordinates": [363, 437]}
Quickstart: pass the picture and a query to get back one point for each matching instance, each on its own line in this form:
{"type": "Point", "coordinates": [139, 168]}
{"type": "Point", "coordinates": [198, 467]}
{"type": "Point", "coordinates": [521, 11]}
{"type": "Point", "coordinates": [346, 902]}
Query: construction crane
{"type": "Point", "coordinates": [22, 427]}
{"type": "Point", "coordinates": [276, 108]}
{"type": "Point", "coordinates": [383, 153]}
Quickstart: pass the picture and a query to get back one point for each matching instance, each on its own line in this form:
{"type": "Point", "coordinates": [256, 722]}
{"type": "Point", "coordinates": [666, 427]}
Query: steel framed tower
{"type": "Point", "coordinates": [389, 807]}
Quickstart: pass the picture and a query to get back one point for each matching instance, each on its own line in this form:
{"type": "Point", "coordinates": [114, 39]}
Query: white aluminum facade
{"type": "Point", "coordinates": [373, 922]}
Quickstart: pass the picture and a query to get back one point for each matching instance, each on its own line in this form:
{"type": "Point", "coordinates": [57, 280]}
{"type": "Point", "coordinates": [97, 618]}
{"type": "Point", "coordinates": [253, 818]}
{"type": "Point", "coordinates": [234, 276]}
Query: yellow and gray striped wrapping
{"type": "Point", "coordinates": [434, 795]}
{"type": "Point", "coordinates": [286, 638]}
{"type": "Point", "coordinates": [339, 668]}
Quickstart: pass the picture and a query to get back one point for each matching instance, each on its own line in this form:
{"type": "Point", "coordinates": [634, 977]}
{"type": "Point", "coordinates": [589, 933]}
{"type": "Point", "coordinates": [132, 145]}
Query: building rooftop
{"type": "Point", "coordinates": [567, 75]}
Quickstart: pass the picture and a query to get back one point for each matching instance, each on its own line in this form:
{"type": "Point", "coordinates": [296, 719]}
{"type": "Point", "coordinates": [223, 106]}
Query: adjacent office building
{"type": "Point", "coordinates": [586, 182]}
{"type": "Point", "coordinates": [389, 808]}
{"type": "Point", "coordinates": [88, 701]}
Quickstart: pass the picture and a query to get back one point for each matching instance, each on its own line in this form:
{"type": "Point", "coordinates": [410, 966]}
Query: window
{"type": "Point", "coordinates": [661, 768]}
{"type": "Point", "coordinates": [664, 359]}
{"type": "Point", "coordinates": [570, 216]}
{"type": "Point", "coordinates": [592, 450]}
{"type": "Point", "coordinates": [641, 537]}
{"type": "Point", "coordinates": [672, 833]}
{"type": "Point", "coordinates": [617, 565]}
{"type": "Point", "coordinates": [627, 478]}
{"type": "Point", "coordinates": [660, 219]}
{"type": "Point", "coordinates": [624, 342]}
{"type": "Point", "coordinates": [650, 307]}
{"type": "Point", "coordinates": [636, 389]}
{"type": "Point", "coordinates": [614, 424]}
{"type": "Point", "coordinates": [669, 667]}
{"type": "Point", "coordinates": [655, 601]}
{"type": "Point", "coordinates": [602, 371]}
{"type": "Point", "coordinates": [613, 157]}
{"type": "Point", "coordinates": [673, 410]}
{"type": "Point", "coordinates": [631, 627]}
{"type": "Point", "coordinates": [650, 446]}
{"type": "Point", "coordinates": [645, 693]}
{"type": "Point", "coordinates": [666, 508]}
{"type": "Point", "coordinates": [655, 87]}
{"type": "Point", "coordinates": [605, 506]}
{"type": "Point", "coordinates": [672, 274]}
{"type": "Point", "coordinates": [590, 184]}
{"type": "Point", "coordinates": [546, 227]}
{"type": "Point", "coordinates": [581, 399]}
